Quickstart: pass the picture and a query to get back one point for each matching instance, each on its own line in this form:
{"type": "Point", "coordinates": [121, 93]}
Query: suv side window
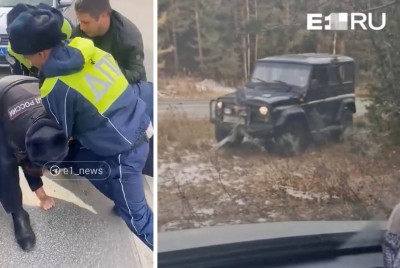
{"type": "Point", "coordinates": [334, 77]}
{"type": "Point", "coordinates": [346, 71]}
{"type": "Point", "coordinates": [320, 74]}
{"type": "Point", "coordinates": [319, 81]}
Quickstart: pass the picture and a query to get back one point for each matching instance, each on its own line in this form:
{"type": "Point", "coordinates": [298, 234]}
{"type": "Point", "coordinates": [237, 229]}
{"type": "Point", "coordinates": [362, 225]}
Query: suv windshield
{"type": "Point", "coordinates": [289, 73]}
{"type": "Point", "coordinates": [12, 3]}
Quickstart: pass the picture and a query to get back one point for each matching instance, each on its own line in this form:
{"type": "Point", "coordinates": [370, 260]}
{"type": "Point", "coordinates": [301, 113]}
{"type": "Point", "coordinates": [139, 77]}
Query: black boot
{"type": "Point", "coordinates": [116, 211]}
{"type": "Point", "coordinates": [23, 231]}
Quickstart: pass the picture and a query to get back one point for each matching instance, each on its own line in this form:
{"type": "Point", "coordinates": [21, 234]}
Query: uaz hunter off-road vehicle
{"type": "Point", "coordinates": [289, 101]}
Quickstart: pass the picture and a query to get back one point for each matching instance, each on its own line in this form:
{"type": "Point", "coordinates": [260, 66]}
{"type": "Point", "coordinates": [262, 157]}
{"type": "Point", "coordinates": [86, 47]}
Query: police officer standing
{"type": "Point", "coordinates": [23, 120]}
{"type": "Point", "coordinates": [87, 94]}
{"type": "Point", "coordinates": [18, 64]}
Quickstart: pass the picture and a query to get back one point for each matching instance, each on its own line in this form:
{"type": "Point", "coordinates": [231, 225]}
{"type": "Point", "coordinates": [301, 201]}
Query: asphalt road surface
{"type": "Point", "coordinates": [81, 231]}
{"type": "Point", "coordinates": [140, 13]}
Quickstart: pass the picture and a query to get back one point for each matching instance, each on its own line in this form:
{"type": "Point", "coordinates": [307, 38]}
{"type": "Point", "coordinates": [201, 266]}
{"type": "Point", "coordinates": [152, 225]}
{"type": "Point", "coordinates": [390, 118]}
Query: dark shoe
{"type": "Point", "coordinates": [23, 231]}
{"type": "Point", "coordinates": [116, 211]}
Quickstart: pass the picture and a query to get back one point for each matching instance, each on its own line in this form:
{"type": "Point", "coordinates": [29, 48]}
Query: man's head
{"type": "Point", "coordinates": [39, 59]}
{"type": "Point", "coordinates": [45, 142]}
{"type": "Point", "coordinates": [93, 16]}
{"type": "Point", "coordinates": [33, 33]}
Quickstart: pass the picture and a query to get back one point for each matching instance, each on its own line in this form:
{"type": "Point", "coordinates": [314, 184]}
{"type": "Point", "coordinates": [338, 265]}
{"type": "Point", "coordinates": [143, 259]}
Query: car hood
{"type": "Point", "coordinates": [3, 19]}
{"type": "Point", "coordinates": [218, 235]}
{"type": "Point", "coordinates": [268, 96]}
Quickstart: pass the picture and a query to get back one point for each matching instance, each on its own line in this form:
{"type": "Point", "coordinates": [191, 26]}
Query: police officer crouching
{"type": "Point", "coordinates": [24, 123]}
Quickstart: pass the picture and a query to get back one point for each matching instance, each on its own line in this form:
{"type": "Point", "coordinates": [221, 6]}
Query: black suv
{"type": "Point", "coordinates": [289, 101]}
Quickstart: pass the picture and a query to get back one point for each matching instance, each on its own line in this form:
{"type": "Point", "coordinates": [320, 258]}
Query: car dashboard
{"type": "Point", "coordinates": [312, 251]}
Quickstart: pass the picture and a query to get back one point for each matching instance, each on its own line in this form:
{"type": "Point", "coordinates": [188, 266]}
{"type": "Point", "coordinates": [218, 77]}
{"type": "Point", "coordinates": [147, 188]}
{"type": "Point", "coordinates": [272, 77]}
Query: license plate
{"type": "Point", "coordinates": [3, 51]}
{"type": "Point", "coordinates": [234, 120]}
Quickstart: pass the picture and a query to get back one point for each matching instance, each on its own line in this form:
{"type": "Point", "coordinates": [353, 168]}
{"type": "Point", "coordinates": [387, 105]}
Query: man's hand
{"type": "Point", "coordinates": [46, 202]}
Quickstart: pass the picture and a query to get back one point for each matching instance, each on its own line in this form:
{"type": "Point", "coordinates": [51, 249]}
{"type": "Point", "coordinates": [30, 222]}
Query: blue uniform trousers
{"type": "Point", "coordinates": [146, 93]}
{"type": "Point", "coordinates": [123, 184]}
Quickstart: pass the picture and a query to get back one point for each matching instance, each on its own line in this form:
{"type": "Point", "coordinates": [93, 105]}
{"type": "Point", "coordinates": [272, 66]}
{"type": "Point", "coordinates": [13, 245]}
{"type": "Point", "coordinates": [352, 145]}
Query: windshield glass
{"type": "Point", "coordinates": [12, 3]}
{"type": "Point", "coordinates": [289, 73]}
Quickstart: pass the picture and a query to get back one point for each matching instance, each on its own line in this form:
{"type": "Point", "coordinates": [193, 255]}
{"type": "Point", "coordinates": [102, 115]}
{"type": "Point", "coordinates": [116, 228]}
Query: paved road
{"type": "Point", "coordinates": [81, 231]}
{"type": "Point", "coordinates": [200, 108]}
{"type": "Point", "coordinates": [193, 108]}
{"type": "Point", "coordinates": [140, 12]}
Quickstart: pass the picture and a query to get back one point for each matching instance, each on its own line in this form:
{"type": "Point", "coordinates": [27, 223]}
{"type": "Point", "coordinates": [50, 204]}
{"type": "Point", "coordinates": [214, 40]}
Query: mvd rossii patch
{"type": "Point", "coordinates": [24, 106]}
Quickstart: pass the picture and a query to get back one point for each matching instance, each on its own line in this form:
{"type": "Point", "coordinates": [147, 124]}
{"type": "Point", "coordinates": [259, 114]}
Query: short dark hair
{"type": "Point", "coordinates": [93, 7]}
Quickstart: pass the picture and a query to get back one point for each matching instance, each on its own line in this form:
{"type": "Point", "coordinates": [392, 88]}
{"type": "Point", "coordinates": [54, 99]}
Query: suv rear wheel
{"type": "Point", "coordinates": [346, 123]}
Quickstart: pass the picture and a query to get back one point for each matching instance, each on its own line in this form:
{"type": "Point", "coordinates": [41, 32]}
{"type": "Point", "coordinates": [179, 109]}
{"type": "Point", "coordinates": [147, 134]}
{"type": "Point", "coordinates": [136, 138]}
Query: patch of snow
{"type": "Point", "coordinates": [237, 169]}
{"type": "Point", "coordinates": [240, 202]}
{"type": "Point", "coordinates": [224, 198]}
{"type": "Point", "coordinates": [207, 223]}
{"type": "Point", "coordinates": [211, 85]}
{"type": "Point", "coordinates": [272, 214]}
{"type": "Point", "coordinates": [261, 220]}
{"type": "Point", "coordinates": [299, 194]}
{"type": "Point", "coordinates": [303, 195]}
{"type": "Point", "coordinates": [162, 94]}
{"type": "Point", "coordinates": [205, 211]}
{"type": "Point", "coordinates": [298, 175]}
{"type": "Point", "coordinates": [173, 225]}
{"type": "Point", "coordinates": [164, 182]}
{"type": "Point", "coordinates": [202, 224]}
{"type": "Point", "coordinates": [193, 169]}
{"type": "Point", "coordinates": [185, 173]}
{"type": "Point", "coordinates": [190, 157]}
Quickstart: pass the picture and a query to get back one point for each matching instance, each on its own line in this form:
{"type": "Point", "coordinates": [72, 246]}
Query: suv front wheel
{"type": "Point", "coordinates": [291, 139]}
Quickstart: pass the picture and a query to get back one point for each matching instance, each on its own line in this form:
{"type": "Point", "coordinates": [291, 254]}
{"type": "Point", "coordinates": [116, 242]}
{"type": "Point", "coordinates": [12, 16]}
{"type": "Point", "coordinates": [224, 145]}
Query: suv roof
{"type": "Point", "coordinates": [308, 58]}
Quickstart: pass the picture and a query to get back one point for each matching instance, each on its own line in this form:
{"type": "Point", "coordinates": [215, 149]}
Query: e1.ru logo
{"type": "Point", "coordinates": [340, 21]}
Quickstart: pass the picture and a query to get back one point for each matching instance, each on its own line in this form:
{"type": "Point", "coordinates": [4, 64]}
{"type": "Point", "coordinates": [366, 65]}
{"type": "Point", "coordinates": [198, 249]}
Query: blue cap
{"type": "Point", "coordinates": [34, 31]}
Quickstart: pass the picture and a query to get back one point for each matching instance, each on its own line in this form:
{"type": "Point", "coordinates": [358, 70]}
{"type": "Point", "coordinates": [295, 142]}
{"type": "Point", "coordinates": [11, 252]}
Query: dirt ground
{"type": "Point", "coordinates": [199, 186]}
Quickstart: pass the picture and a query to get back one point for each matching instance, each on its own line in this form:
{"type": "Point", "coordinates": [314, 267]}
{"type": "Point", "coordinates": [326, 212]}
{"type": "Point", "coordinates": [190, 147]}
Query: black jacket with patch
{"type": "Point", "coordinates": [20, 103]}
{"type": "Point", "coordinates": [124, 42]}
